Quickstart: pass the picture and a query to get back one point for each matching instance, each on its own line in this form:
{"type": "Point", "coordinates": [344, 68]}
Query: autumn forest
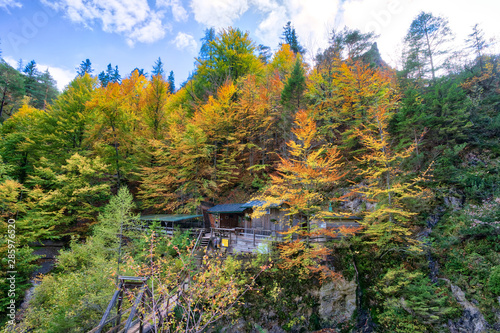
{"type": "Point", "coordinates": [414, 153]}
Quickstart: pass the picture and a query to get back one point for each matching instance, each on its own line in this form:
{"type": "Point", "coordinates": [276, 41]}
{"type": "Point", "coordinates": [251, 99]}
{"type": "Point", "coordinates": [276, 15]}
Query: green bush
{"type": "Point", "coordinates": [494, 281]}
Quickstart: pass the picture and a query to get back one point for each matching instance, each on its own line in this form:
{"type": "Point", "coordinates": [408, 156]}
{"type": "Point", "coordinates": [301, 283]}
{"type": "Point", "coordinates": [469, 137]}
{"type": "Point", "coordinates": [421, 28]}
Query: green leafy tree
{"type": "Point", "coordinates": [410, 302]}
{"type": "Point", "coordinates": [61, 196]}
{"type": "Point", "coordinates": [17, 147]}
{"type": "Point", "coordinates": [229, 56]}
{"type": "Point", "coordinates": [74, 297]}
{"type": "Point", "coordinates": [389, 226]}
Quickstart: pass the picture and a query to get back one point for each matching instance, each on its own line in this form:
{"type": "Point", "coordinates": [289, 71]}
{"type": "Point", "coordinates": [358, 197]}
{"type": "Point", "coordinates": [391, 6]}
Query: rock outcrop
{"type": "Point", "coordinates": [472, 320]}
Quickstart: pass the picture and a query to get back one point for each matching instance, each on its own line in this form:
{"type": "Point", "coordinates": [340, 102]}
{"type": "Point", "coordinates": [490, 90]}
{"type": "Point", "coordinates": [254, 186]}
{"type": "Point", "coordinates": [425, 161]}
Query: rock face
{"type": "Point", "coordinates": [472, 320]}
{"type": "Point", "coordinates": [337, 301]}
{"type": "Point", "coordinates": [336, 304]}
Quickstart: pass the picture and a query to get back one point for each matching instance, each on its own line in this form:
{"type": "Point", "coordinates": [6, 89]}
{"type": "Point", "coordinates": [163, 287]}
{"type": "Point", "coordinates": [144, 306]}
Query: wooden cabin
{"type": "Point", "coordinates": [227, 216]}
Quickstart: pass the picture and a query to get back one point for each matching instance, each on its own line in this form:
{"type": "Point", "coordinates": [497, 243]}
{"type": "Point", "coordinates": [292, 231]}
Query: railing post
{"type": "Point", "coordinates": [141, 316]}
{"type": "Point", "coordinates": [119, 307]}
{"type": "Point", "coordinates": [253, 237]}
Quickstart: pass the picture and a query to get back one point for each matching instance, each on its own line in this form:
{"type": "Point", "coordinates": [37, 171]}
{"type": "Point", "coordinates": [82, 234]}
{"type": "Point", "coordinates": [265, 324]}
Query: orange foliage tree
{"type": "Point", "coordinates": [303, 184]}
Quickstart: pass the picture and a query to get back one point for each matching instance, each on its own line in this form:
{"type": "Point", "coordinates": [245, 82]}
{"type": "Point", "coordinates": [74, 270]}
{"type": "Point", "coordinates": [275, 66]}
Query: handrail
{"type": "Point", "coordinates": [108, 309]}
{"type": "Point", "coordinates": [200, 232]}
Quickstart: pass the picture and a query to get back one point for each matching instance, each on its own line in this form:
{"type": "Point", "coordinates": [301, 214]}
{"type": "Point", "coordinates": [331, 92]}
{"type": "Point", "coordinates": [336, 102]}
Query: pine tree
{"type": "Point", "coordinates": [103, 78]}
{"type": "Point", "coordinates": [426, 41]}
{"type": "Point", "coordinates": [289, 37]}
{"type": "Point", "coordinates": [115, 76]}
{"type": "Point", "coordinates": [171, 82]}
{"type": "Point", "coordinates": [477, 44]}
{"type": "Point", "coordinates": [293, 91]}
{"type": "Point", "coordinates": [158, 68]}
{"type": "Point", "coordinates": [85, 68]}
{"type": "Point", "coordinates": [11, 89]}
{"type": "Point", "coordinates": [207, 44]}
{"type": "Point", "coordinates": [352, 43]}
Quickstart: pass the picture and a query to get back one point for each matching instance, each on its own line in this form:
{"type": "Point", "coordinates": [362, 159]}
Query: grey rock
{"type": "Point", "coordinates": [472, 320]}
{"type": "Point", "coordinates": [453, 202]}
{"type": "Point", "coordinates": [337, 301]}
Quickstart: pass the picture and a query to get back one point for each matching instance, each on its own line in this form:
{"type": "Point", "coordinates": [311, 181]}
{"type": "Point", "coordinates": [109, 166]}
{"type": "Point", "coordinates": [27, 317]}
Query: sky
{"type": "Point", "coordinates": [60, 34]}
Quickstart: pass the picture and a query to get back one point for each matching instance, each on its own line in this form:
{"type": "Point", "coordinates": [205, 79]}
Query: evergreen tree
{"type": "Point", "coordinates": [85, 68]}
{"type": "Point", "coordinates": [158, 68]}
{"type": "Point", "coordinates": [111, 75]}
{"type": "Point", "coordinates": [11, 89]}
{"type": "Point", "coordinates": [171, 82]}
{"type": "Point", "coordinates": [40, 87]}
{"type": "Point", "coordinates": [47, 89]}
{"type": "Point", "coordinates": [293, 91]}
{"type": "Point", "coordinates": [20, 66]}
{"type": "Point", "coordinates": [140, 71]}
{"type": "Point", "coordinates": [206, 44]}
{"type": "Point", "coordinates": [289, 36]}
{"type": "Point", "coordinates": [352, 43]}
{"type": "Point", "coordinates": [477, 44]}
{"type": "Point", "coordinates": [264, 53]}
{"type": "Point", "coordinates": [115, 76]}
{"type": "Point", "coordinates": [425, 42]}
{"type": "Point", "coordinates": [31, 73]}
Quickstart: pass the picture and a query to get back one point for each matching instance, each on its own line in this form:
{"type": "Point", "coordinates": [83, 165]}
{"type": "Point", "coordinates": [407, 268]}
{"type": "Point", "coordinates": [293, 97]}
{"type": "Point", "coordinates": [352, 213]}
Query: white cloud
{"type": "Point", "coordinates": [61, 75]}
{"type": "Point", "coordinates": [392, 18]}
{"type": "Point", "coordinates": [132, 18]}
{"type": "Point", "coordinates": [218, 13]}
{"type": "Point", "coordinates": [185, 41]}
{"type": "Point", "coordinates": [312, 20]}
{"type": "Point", "coordinates": [178, 11]}
{"type": "Point", "coordinates": [9, 3]}
{"type": "Point", "coordinates": [151, 31]}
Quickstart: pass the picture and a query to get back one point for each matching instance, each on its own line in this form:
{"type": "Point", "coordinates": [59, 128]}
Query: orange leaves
{"type": "Point", "coordinates": [303, 178]}
{"type": "Point", "coordinates": [306, 260]}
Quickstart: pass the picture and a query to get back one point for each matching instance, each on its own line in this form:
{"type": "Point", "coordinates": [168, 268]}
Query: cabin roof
{"type": "Point", "coordinates": [227, 208]}
{"type": "Point", "coordinates": [341, 217]}
{"type": "Point", "coordinates": [258, 203]}
{"type": "Point", "coordinates": [169, 217]}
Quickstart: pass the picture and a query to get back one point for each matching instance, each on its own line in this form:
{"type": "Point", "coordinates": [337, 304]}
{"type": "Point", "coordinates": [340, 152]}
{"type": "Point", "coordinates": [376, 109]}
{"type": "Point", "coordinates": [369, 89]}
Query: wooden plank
{"type": "Point", "coordinates": [133, 278]}
{"type": "Point", "coordinates": [108, 309]}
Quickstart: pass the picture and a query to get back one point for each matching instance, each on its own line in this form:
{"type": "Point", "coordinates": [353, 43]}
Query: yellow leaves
{"type": "Point", "coordinates": [305, 259]}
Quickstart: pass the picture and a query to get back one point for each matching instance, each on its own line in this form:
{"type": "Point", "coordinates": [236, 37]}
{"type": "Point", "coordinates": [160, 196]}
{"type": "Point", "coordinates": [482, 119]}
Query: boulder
{"type": "Point", "coordinates": [472, 320]}
{"type": "Point", "coordinates": [337, 301]}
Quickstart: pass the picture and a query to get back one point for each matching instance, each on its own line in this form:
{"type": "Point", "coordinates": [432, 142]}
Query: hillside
{"type": "Point", "coordinates": [414, 153]}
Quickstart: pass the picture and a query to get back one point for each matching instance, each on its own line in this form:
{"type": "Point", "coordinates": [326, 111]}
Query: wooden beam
{"type": "Point", "coordinates": [108, 309]}
{"type": "Point", "coordinates": [138, 300]}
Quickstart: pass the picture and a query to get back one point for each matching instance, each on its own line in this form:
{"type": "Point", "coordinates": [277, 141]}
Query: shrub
{"type": "Point", "coordinates": [494, 281]}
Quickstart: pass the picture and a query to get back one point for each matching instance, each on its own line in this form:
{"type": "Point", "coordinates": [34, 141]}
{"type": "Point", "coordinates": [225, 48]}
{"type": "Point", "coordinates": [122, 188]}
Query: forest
{"type": "Point", "coordinates": [414, 152]}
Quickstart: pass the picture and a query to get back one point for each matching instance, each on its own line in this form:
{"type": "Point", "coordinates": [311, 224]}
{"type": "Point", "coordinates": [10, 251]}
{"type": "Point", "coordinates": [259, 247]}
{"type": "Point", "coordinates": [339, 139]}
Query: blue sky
{"type": "Point", "coordinates": [60, 34]}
